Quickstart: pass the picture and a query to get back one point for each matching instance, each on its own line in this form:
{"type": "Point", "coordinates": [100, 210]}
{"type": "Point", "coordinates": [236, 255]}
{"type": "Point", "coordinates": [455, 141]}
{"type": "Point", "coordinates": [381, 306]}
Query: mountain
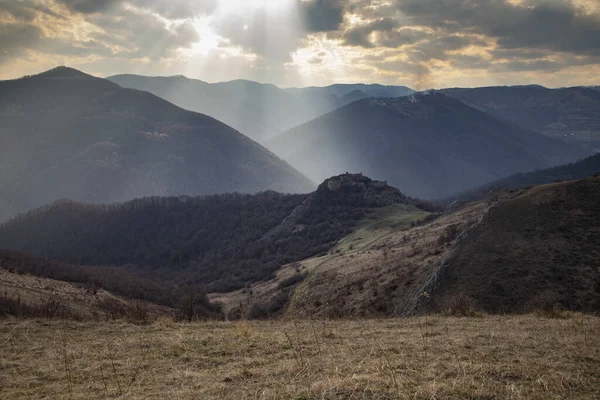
{"type": "Point", "coordinates": [221, 241]}
{"type": "Point", "coordinates": [68, 134]}
{"type": "Point", "coordinates": [255, 109]}
{"type": "Point", "coordinates": [430, 145]}
{"type": "Point", "coordinates": [365, 90]}
{"type": "Point", "coordinates": [583, 168]}
{"type": "Point", "coordinates": [570, 114]}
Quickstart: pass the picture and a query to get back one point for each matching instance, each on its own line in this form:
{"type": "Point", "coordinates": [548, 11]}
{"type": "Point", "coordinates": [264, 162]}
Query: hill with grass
{"type": "Point", "coordinates": [68, 134]}
{"type": "Point", "coordinates": [527, 250]}
{"type": "Point", "coordinates": [430, 145]}
{"type": "Point", "coordinates": [256, 109]}
{"type": "Point", "coordinates": [539, 249]}
{"type": "Point", "coordinates": [37, 288]}
{"type": "Point", "coordinates": [569, 114]}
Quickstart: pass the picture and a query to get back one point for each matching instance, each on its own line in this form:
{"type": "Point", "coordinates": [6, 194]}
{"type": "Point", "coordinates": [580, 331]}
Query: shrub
{"type": "Point", "coordinates": [460, 305]}
{"type": "Point", "coordinates": [291, 281]}
{"type": "Point", "coordinates": [547, 305]}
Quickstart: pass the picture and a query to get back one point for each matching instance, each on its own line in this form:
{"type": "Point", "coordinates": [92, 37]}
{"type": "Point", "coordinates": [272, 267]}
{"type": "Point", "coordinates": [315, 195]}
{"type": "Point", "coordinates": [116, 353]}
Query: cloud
{"type": "Point", "coordinates": [359, 35]}
{"type": "Point", "coordinates": [321, 41]}
{"type": "Point", "coordinates": [25, 10]}
{"type": "Point", "coordinates": [15, 38]}
{"type": "Point", "coordinates": [438, 47]}
{"type": "Point", "coordinates": [321, 15]}
{"type": "Point", "coordinates": [141, 35]}
{"type": "Point", "coordinates": [553, 25]}
{"type": "Point", "coordinates": [89, 6]}
{"type": "Point", "coordinates": [114, 30]}
{"type": "Point", "coordinates": [172, 9]}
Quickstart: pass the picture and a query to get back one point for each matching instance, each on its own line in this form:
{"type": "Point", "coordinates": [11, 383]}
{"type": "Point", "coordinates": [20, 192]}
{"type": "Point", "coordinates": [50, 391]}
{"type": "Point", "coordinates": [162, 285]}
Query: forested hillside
{"type": "Point", "coordinates": [222, 241]}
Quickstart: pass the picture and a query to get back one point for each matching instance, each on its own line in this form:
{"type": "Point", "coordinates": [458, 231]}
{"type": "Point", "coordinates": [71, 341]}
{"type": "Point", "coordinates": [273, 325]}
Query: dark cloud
{"type": "Point", "coordinates": [17, 10]}
{"type": "Point", "coordinates": [402, 37]}
{"type": "Point", "coordinates": [25, 10]}
{"type": "Point", "coordinates": [172, 9]}
{"type": "Point", "coordinates": [321, 15]}
{"type": "Point", "coordinates": [524, 54]}
{"type": "Point", "coordinates": [554, 25]}
{"type": "Point", "coordinates": [438, 47]}
{"type": "Point", "coordinates": [88, 6]}
{"type": "Point", "coordinates": [16, 38]}
{"type": "Point", "coordinates": [359, 35]}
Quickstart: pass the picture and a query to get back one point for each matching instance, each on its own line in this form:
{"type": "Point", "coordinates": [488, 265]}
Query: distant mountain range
{"type": "Point", "coordinates": [68, 134]}
{"type": "Point", "coordinates": [570, 114]}
{"type": "Point", "coordinates": [587, 167]}
{"type": "Point", "coordinates": [258, 110]}
{"type": "Point", "coordinates": [430, 145]}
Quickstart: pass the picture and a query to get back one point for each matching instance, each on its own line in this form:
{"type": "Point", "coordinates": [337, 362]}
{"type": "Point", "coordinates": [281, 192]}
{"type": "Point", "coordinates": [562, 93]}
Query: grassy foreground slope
{"type": "Point", "coordinates": [541, 246]}
{"type": "Point", "coordinates": [30, 296]}
{"type": "Point", "coordinates": [509, 357]}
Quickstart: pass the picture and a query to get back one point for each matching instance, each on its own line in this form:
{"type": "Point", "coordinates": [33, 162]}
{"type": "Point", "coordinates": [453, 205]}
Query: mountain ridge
{"type": "Point", "coordinates": [570, 114]}
{"type": "Point", "coordinates": [259, 110]}
{"type": "Point", "coordinates": [427, 144]}
{"type": "Point", "coordinates": [68, 134]}
{"type": "Point", "coordinates": [185, 238]}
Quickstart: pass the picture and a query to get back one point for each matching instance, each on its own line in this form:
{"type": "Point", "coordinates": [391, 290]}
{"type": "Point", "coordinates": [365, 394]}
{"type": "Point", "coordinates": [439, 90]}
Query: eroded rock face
{"type": "Point", "coordinates": [357, 188]}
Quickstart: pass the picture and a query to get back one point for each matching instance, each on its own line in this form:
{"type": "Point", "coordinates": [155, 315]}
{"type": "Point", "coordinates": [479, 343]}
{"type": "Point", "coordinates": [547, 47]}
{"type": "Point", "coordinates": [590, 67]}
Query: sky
{"type": "Point", "coordinates": [294, 43]}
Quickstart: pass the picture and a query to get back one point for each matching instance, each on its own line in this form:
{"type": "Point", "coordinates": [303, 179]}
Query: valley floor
{"type": "Point", "coordinates": [434, 357]}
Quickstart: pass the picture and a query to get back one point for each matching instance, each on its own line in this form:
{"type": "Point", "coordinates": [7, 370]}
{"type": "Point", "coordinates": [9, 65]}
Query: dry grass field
{"type": "Point", "coordinates": [433, 357]}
